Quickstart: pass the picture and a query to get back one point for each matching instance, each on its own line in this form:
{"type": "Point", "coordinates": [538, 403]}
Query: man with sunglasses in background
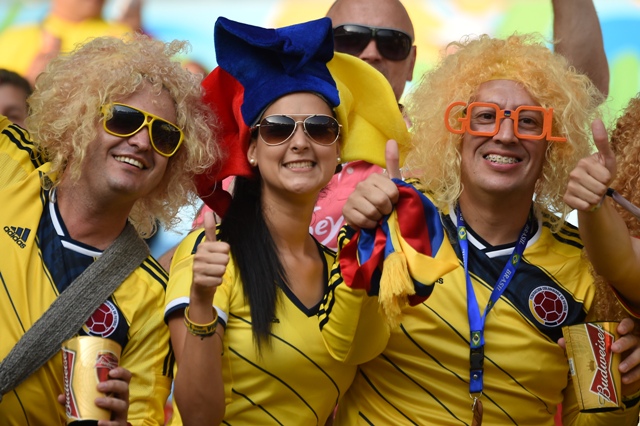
{"type": "Point", "coordinates": [118, 130]}
{"type": "Point", "coordinates": [380, 33]}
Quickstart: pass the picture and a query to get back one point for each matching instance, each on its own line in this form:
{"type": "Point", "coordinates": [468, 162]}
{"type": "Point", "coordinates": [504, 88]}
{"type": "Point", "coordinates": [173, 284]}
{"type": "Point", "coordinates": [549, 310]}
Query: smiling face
{"type": "Point", "coordinates": [299, 166]}
{"type": "Point", "coordinates": [501, 165]}
{"type": "Point", "coordinates": [127, 167]}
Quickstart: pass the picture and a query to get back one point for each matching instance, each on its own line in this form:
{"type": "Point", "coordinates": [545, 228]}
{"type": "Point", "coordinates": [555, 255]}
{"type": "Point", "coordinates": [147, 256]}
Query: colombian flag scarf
{"type": "Point", "coordinates": [402, 257]}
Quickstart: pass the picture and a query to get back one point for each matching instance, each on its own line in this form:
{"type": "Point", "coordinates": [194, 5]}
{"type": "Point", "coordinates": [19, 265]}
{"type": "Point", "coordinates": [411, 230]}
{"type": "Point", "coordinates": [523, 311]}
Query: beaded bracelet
{"type": "Point", "coordinates": [202, 330]}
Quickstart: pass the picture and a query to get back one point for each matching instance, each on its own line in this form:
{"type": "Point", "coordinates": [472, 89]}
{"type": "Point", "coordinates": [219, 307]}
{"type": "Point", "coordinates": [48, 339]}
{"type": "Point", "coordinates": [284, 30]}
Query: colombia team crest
{"type": "Point", "coordinates": [103, 322]}
{"type": "Point", "coordinates": [548, 306]}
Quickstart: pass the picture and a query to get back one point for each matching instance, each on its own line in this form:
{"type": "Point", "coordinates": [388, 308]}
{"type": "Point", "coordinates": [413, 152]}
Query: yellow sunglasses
{"type": "Point", "coordinates": [126, 121]}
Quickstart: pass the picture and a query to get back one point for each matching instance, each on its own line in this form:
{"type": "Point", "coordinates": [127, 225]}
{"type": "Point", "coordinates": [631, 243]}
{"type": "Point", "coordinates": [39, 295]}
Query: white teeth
{"type": "Point", "coordinates": [130, 161]}
{"type": "Point", "coordinates": [299, 165]}
{"type": "Point", "coordinates": [501, 160]}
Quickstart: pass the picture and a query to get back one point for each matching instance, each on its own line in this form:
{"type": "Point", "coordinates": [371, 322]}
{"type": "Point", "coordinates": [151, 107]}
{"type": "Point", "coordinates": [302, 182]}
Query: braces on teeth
{"type": "Point", "coordinates": [500, 159]}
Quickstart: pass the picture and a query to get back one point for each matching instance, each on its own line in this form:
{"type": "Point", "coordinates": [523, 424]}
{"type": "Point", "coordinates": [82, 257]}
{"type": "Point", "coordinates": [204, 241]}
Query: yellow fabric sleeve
{"type": "Point", "coordinates": [353, 327]}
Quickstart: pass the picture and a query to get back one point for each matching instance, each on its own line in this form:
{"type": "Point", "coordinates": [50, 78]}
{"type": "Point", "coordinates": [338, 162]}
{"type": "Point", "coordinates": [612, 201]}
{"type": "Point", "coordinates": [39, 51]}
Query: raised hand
{"type": "Point", "coordinates": [375, 196]}
{"type": "Point", "coordinates": [589, 181]}
{"type": "Point", "coordinates": [209, 263]}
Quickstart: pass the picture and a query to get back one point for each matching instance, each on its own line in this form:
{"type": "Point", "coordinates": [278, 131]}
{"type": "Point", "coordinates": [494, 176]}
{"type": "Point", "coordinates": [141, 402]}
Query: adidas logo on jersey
{"type": "Point", "coordinates": [19, 235]}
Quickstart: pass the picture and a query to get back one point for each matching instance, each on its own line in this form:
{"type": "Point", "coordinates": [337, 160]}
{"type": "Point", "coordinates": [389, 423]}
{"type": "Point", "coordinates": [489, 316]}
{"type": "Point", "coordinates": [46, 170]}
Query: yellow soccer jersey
{"type": "Point", "coordinates": [295, 381]}
{"type": "Point", "coordinates": [19, 45]}
{"type": "Point", "coordinates": [29, 273]}
{"type": "Point", "coordinates": [17, 158]}
{"type": "Point", "coordinates": [418, 374]}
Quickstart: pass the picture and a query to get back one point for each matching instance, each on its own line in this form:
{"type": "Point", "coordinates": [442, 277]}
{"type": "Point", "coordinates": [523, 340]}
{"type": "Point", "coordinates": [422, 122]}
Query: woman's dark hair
{"type": "Point", "coordinates": [255, 253]}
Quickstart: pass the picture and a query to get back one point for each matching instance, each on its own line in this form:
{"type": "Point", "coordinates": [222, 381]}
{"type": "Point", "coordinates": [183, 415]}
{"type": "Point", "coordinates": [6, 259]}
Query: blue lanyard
{"type": "Point", "coordinates": [476, 322]}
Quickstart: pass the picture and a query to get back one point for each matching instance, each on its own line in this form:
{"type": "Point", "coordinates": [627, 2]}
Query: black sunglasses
{"type": "Point", "coordinates": [394, 45]}
{"type": "Point", "coordinates": [277, 129]}
{"type": "Point", "coordinates": [126, 120]}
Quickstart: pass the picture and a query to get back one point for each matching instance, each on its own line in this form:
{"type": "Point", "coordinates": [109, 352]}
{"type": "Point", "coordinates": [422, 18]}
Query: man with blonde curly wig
{"type": "Point", "coordinates": [498, 126]}
{"type": "Point", "coordinates": [117, 131]}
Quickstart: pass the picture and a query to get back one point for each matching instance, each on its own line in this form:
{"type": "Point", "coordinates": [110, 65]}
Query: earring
{"type": "Point", "coordinates": [339, 160]}
{"type": "Point", "coordinates": [252, 161]}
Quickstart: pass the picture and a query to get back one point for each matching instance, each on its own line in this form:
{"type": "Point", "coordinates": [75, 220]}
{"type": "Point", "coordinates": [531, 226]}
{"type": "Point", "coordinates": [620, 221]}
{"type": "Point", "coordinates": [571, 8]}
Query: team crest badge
{"type": "Point", "coordinates": [104, 321]}
{"type": "Point", "coordinates": [548, 306]}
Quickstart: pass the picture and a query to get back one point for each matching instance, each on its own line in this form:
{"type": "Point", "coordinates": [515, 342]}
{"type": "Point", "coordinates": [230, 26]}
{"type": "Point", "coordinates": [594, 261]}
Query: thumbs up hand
{"type": "Point", "coordinates": [589, 181]}
{"type": "Point", "coordinates": [375, 196]}
{"type": "Point", "coordinates": [209, 263]}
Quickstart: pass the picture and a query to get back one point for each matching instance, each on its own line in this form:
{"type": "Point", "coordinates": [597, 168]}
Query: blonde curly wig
{"type": "Point", "coordinates": [65, 114]}
{"type": "Point", "coordinates": [625, 142]}
{"type": "Point", "coordinates": [546, 76]}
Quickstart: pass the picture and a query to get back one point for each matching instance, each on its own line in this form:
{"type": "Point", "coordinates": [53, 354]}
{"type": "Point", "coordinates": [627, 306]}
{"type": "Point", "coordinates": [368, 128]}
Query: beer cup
{"type": "Point", "coordinates": [594, 368]}
{"type": "Point", "coordinates": [87, 361]}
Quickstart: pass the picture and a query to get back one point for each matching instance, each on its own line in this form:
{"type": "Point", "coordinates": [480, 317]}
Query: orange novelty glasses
{"type": "Point", "coordinates": [484, 119]}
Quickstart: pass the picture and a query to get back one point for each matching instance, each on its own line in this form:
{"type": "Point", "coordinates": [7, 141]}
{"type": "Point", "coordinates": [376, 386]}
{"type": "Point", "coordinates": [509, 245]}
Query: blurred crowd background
{"type": "Point", "coordinates": [436, 22]}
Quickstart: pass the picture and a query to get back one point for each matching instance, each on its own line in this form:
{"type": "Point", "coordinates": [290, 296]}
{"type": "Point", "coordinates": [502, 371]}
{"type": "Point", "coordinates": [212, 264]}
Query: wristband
{"type": "Point", "coordinates": [202, 330]}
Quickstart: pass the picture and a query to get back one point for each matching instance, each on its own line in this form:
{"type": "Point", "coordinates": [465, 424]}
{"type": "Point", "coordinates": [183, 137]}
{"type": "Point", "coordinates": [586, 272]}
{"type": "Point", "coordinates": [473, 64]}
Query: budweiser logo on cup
{"type": "Point", "coordinates": [87, 361]}
{"type": "Point", "coordinates": [594, 368]}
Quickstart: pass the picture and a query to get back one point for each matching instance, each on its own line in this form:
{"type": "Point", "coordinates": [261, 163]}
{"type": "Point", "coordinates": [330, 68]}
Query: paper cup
{"type": "Point", "coordinates": [594, 368]}
{"type": "Point", "coordinates": [87, 361]}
